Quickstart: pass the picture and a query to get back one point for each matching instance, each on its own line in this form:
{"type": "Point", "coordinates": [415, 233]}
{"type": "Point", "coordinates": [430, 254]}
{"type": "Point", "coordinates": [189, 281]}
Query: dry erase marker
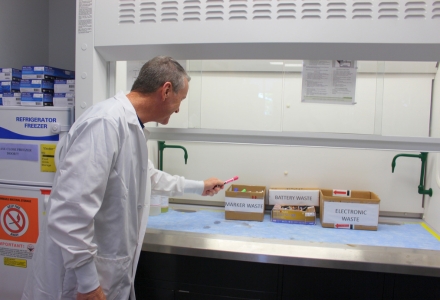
{"type": "Point", "coordinates": [230, 180]}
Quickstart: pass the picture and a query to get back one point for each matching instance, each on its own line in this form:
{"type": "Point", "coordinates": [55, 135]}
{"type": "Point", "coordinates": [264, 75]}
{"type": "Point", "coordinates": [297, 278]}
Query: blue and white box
{"type": "Point", "coordinates": [39, 72]}
{"type": "Point", "coordinates": [8, 74]}
{"type": "Point", "coordinates": [64, 99]}
{"type": "Point", "coordinates": [36, 86]}
{"type": "Point", "coordinates": [11, 99]}
{"type": "Point", "coordinates": [64, 86]}
{"type": "Point", "coordinates": [36, 99]}
{"type": "Point", "coordinates": [12, 86]}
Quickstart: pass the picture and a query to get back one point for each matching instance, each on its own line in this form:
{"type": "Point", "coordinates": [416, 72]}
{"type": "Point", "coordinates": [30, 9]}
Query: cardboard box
{"type": "Point", "coordinates": [247, 206]}
{"type": "Point", "coordinates": [293, 214]}
{"type": "Point", "coordinates": [294, 196]}
{"type": "Point", "coordinates": [8, 74]}
{"type": "Point", "coordinates": [12, 86]}
{"type": "Point", "coordinates": [11, 99]}
{"type": "Point", "coordinates": [64, 100]}
{"type": "Point", "coordinates": [36, 99]}
{"type": "Point", "coordinates": [38, 72]}
{"type": "Point", "coordinates": [64, 86]}
{"type": "Point", "coordinates": [359, 210]}
{"type": "Point", "coordinates": [36, 86]}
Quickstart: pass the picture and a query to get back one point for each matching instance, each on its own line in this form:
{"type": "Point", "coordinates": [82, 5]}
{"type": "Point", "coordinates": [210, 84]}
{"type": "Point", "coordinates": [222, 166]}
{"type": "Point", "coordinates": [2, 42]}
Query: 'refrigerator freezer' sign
{"type": "Point", "coordinates": [22, 128]}
{"type": "Point", "coordinates": [28, 139]}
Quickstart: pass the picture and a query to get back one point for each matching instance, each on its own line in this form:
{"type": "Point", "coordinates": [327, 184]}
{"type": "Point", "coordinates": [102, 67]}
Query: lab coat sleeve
{"type": "Point", "coordinates": [78, 193]}
{"type": "Point", "coordinates": [165, 184]}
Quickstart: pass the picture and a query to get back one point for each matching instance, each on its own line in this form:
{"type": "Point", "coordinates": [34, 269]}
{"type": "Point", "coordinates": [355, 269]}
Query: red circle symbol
{"type": "Point", "coordinates": [19, 220]}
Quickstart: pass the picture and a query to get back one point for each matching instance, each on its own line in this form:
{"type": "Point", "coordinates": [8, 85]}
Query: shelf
{"type": "Point", "coordinates": [333, 140]}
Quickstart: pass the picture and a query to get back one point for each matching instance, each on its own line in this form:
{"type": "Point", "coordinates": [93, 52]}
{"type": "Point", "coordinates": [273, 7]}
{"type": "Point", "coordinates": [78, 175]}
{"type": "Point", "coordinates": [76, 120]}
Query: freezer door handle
{"type": "Point", "coordinates": [57, 128]}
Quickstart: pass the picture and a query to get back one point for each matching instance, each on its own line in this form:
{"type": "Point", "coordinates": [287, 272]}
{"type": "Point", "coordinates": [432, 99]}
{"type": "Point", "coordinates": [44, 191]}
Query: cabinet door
{"type": "Point", "coordinates": [185, 295]}
{"type": "Point", "coordinates": [321, 283]}
{"type": "Point", "coordinates": [152, 293]}
{"type": "Point", "coordinates": [416, 287]}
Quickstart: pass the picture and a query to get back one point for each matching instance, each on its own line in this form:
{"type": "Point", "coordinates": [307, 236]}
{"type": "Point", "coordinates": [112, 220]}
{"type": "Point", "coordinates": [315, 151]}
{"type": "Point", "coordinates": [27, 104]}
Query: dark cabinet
{"type": "Point", "coordinates": [168, 276]}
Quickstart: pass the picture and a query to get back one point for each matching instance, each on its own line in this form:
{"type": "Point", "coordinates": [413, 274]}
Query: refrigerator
{"type": "Point", "coordinates": [28, 140]}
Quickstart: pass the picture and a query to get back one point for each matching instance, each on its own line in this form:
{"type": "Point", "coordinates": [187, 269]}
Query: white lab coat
{"type": "Point", "coordinates": [98, 209]}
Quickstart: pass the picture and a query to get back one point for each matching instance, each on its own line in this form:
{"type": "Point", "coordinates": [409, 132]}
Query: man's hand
{"type": "Point", "coordinates": [97, 294]}
{"type": "Point", "coordinates": [212, 186]}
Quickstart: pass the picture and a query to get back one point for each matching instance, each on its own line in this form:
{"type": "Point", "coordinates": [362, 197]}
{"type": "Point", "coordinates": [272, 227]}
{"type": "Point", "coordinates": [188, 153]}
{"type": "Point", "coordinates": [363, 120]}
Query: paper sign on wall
{"type": "Point", "coordinates": [329, 81]}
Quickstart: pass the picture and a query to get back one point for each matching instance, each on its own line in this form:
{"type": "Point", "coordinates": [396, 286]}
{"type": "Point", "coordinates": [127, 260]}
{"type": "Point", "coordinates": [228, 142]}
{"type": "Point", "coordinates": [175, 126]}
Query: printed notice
{"type": "Point", "coordinates": [19, 151]}
{"type": "Point", "coordinates": [85, 16]}
{"type": "Point", "coordinates": [246, 205]}
{"type": "Point", "coordinates": [329, 81]}
{"type": "Point", "coordinates": [48, 157]}
{"type": "Point", "coordinates": [19, 219]}
{"type": "Point", "coordinates": [351, 213]}
{"type": "Point", "coordinates": [15, 262]}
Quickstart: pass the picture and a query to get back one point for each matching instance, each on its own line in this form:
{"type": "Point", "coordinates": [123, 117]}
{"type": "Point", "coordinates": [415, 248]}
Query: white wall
{"type": "Point", "coordinates": [230, 100]}
{"type": "Point", "coordinates": [62, 33]}
{"type": "Point", "coordinates": [432, 215]}
{"type": "Point", "coordinates": [37, 32]}
{"type": "Point", "coordinates": [24, 33]}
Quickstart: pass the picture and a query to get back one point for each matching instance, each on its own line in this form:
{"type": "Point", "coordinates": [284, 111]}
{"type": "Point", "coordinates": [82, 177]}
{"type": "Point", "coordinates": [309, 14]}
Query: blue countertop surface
{"type": "Point", "coordinates": [402, 234]}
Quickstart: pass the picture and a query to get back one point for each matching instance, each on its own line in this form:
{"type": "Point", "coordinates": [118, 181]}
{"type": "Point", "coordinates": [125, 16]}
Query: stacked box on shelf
{"type": "Point", "coordinates": [9, 74]}
{"type": "Point", "coordinates": [11, 99]}
{"type": "Point", "coordinates": [36, 99]}
{"type": "Point", "coordinates": [64, 100]}
{"type": "Point", "coordinates": [64, 86]}
{"type": "Point", "coordinates": [64, 93]}
{"type": "Point", "coordinates": [36, 86]}
{"type": "Point", "coordinates": [45, 72]}
{"type": "Point", "coordinates": [10, 83]}
{"type": "Point", "coordinates": [12, 86]}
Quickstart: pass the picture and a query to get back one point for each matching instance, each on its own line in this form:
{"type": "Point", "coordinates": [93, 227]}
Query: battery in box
{"type": "Point", "coordinates": [8, 74]}
{"type": "Point", "coordinates": [36, 99]}
{"type": "Point", "coordinates": [11, 99]}
{"type": "Point", "coordinates": [36, 86]}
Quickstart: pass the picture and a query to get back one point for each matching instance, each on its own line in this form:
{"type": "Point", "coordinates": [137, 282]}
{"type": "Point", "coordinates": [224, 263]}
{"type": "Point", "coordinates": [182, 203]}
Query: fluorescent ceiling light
{"type": "Point", "coordinates": [293, 65]}
{"type": "Point", "coordinates": [276, 63]}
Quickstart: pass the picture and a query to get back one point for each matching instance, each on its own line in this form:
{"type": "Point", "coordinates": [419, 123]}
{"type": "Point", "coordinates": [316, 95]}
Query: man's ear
{"type": "Point", "coordinates": [166, 90]}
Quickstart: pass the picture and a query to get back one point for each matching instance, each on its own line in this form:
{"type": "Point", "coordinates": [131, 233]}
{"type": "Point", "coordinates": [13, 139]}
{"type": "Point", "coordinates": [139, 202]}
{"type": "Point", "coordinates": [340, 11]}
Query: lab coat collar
{"type": "Point", "coordinates": [131, 112]}
{"type": "Point", "coordinates": [129, 109]}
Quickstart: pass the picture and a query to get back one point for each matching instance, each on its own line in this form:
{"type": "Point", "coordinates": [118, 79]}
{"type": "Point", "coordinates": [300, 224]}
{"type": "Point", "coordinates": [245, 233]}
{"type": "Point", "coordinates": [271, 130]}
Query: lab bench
{"type": "Point", "coordinates": [194, 253]}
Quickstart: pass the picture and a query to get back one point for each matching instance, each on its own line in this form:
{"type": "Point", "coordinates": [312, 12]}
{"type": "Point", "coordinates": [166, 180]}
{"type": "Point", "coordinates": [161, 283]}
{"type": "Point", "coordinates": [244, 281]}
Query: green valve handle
{"type": "Point", "coordinates": [424, 157]}
{"type": "Point", "coordinates": [162, 146]}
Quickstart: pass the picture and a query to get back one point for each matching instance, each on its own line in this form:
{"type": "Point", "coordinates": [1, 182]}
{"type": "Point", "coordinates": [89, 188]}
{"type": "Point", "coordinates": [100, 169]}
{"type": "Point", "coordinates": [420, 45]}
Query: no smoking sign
{"type": "Point", "coordinates": [19, 217]}
{"type": "Point", "coordinates": [14, 220]}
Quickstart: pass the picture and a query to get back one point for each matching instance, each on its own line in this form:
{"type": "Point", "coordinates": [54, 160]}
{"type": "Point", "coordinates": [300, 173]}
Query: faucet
{"type": "Point", "coordinates": [423, 156]}
{"type": "Point", "coordinates": [162, 147]}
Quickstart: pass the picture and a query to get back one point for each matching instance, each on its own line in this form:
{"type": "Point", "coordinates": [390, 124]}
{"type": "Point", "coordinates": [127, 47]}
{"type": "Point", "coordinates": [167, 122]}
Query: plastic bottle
{"type": "Point", "coordinates": [164, 204]}
{"type": "Point", "coordinates": [155, 205]}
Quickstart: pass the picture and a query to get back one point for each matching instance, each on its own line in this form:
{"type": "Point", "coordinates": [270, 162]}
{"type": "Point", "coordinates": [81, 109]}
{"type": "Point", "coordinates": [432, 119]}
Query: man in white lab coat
{"type": "Point", "coordinates": [97, 212]}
